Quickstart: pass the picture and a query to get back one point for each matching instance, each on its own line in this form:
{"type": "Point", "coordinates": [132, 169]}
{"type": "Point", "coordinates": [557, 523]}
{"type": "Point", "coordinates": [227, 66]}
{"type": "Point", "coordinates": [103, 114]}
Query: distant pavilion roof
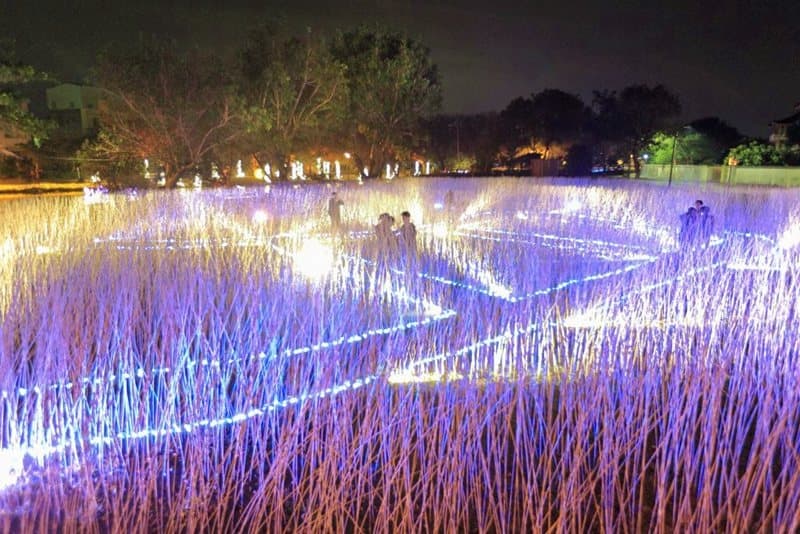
{"type": "Point", "coordinates": [791, 119]}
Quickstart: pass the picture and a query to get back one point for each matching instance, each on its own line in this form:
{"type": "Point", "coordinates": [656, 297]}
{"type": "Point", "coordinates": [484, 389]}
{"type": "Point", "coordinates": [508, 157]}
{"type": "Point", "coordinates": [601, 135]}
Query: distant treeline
{"type": "Point", "coordinates": [370, 95]}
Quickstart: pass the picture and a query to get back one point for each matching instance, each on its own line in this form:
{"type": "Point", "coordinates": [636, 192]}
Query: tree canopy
{"type": "Point", "coordinates": [686, 147]}
{"type": "Point", "coordinates": [17, 125]}
{"type": "Point", "coordinates": [393, 84]}
{"type": "Point", "coordinates": [463, 142]}
{"type": "Point", "coordinates": [557, 117]}
{"type": "Point", "coordinates": [758, 153]}
{"type": "Point", "coordinates": [176, 108]}
{"type": "Point", "coordinates": [293, 92]}
{"type": "Point", "coordinates": [632, 116]}
{"type": "Point", "coordinates": [517, 119]}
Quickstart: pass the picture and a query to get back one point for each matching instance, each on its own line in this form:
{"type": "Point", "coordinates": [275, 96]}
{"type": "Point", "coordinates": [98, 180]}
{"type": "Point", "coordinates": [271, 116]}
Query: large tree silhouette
{"type": "Point", "coordinates": [18, 127]}
{"type": "Point", "coordinates": [631, 117]}
{"type": "Point", "coordinates": [294, 92]}
{"type": "Point", "coordinates": [393, 84]}
{"type": "Point", "coordinates": [175, 108]}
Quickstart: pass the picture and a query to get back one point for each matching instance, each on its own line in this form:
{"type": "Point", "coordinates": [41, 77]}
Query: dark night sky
{"type": "Point", "coordinates": [739, 60]}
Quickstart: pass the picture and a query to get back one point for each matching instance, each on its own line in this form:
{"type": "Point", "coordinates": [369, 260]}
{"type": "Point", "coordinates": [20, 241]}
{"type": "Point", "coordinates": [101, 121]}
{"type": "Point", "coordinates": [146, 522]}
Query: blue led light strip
{"type": "Point", "coordinates": [216, 362]}
{"type": "Point", "coordinates": [190, 427]}
{"type": "Point", "coordinates": [606, 256]}
{"type": "Point", "coordinates": [555, 237]}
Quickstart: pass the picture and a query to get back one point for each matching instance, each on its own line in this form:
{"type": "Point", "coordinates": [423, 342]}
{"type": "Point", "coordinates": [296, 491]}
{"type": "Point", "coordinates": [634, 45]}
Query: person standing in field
{"type": "Point", "coordinates": [408, 237]}
{"type": "Point", "coordinates": [688, 227]}
{"type": "Point", "coordinates": [706, 225]}
{"type": "Point", "coordinates": [335, 211]}
{"type": "Point", "coordinates": [384, 232]}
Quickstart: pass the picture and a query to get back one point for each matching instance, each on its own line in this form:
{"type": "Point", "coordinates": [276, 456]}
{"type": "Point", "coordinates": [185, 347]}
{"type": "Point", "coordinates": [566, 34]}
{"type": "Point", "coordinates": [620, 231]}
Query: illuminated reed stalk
{"type": "Point", "coordinates": [552, 362]}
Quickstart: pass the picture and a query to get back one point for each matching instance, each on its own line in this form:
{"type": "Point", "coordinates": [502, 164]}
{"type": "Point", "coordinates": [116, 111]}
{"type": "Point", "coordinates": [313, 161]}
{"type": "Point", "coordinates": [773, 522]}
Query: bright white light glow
{"type": "Point", "coordinates": [260, 217]}
{"type": "Point", "coordinates": [440, 229]}
{"type": "Point", "coordinates": [11, 464]}
{"type": "Point", "coordinates": [495, 288]}
{"type": "Point", "coordinates": [314, 259]}
{"type": "Point", "coordinates": [790, 237]}
{"type": "Point", "coordinates": [407, 376]}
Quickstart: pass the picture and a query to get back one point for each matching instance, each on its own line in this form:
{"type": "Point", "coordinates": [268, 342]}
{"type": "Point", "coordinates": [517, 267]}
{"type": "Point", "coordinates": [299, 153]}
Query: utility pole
{"type": "Point", "coordinates": [672, 161]}
{"type": "Point", "coordinates": [458, 139]}
{"type": "Point", "coordinates": [674, 143]}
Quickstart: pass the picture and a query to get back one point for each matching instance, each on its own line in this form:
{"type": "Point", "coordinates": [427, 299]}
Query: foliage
{"type": "Point", "coordinates": [175, 108]}
{"type": "Point", "coordinates": [475, 137]}
{"type": "Point", "coordinates": [516, 119]}
{"type": "Point", "coordinates": [545, 119]}
{"type": "Point", "coordinates": [719, 132]}
{"type": "Point", "coordinates": [578, 160]}
{"type": "Point", "coordinates": [461, 163]}
{"type": "Point", "coordinates": [14, 116]}
{"type": "Point", "coordinates": [690, 147]}
{"type": "Point", "coordinates": [631, 118]}
{"type": "Point", "coordinates": [293, 91]}
{"type": "Point", "coordinates": [393, 84]}
{"type": "Point", "coordinates": [758, 153]}
{"type": "Point", "coordinates": [557, 118]}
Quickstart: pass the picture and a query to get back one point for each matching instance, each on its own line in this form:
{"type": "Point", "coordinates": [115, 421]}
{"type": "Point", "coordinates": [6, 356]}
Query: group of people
{"type": "Point", "coordinates": [390, 240]}
{"type": "Point", "coordinates": [402, 240]}
{"type": "Point", "coordinates": [697, 225]}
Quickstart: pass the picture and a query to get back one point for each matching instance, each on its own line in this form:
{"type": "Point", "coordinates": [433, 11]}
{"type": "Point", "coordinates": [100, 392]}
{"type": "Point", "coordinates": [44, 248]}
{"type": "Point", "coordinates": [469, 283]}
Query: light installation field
{"type": "Point", "coordinates": [555, 356]}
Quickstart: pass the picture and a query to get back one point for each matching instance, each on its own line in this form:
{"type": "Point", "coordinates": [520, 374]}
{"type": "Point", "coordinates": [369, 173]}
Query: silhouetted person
{"type": "Point", "coordinates": [384, 232]}
{"type": "Point", "coordinates": [688, 230]}
{"type": "Point", "coordinates": [449, 203]}
{"type": "Point", "coordinates": [705, 225]}
{"type": "Point", "coordinates": [408, 236]}
{"type": "Point", "coordinates": [335, 211]}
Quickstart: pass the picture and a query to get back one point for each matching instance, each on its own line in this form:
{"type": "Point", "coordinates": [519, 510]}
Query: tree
{"type": "Point", "coordinates": [393, 84]}
{"type": "Point", "coordinates": [294, 91]}
{"type": "Point", "coordinates": [463, 142]}
{"type": "Point", "coordinates": [557, 118]}
{"type": "Point", "coordinates": [758, 153]}
{"type": "Point", "coordinates": [718, 130]}
{"type": "Point", "coordinates": [547, 119]}
{"type": "Point", "coordinates": [517, 119]}
{"type": "Point", "coordinates": [17, 126]}
{"type": "Point", "coordinates": [720, 135]}
{"type": "Point", "coordinates": [578, 161]}
{"type": "Point", "coordinates": [686, 147]}
{"type": "Point", "coordinates": [176, 109]}
{"type": "Point", "coordinates": [632, 117]}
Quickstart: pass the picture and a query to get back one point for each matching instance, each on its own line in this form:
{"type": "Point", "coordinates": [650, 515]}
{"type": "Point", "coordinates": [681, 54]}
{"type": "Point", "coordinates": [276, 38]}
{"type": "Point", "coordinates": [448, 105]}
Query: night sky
{"type": "Point", "coordinates": [735, 59]}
